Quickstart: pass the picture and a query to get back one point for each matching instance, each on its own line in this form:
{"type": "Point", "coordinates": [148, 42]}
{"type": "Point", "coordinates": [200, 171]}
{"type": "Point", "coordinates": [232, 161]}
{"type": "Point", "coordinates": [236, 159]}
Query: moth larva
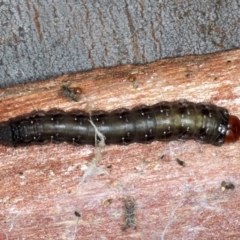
{"type": "Point", "coordinates": [164, 121]}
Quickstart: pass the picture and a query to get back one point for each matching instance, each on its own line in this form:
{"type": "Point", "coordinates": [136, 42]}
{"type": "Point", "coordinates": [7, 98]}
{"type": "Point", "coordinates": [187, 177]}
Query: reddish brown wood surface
{"type": "Point", "coordinates": [43, 186]}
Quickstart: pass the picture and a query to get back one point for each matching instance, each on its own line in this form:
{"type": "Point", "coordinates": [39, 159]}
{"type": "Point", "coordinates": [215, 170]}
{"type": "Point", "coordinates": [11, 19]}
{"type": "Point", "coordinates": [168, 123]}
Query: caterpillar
{"type": "Point", "coordinates": [164, 121]}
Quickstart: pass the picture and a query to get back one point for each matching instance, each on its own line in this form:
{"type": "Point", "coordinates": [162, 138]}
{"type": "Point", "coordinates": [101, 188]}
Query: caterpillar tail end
{"type": "Point", "coordinates": [6, 134]}
{"type": "Point", "coordinates": [233, 129]}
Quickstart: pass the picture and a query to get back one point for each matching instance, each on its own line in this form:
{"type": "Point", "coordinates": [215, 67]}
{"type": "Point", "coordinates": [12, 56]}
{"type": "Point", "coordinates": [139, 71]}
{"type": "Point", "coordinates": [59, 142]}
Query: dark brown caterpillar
{"type": "Point", "coordinates": [164, 121]}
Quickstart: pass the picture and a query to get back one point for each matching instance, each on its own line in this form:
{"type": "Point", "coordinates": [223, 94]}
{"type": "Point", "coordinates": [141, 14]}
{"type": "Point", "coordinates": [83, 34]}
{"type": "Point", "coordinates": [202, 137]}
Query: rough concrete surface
{"type": "Point", "coordinates": [42, 39]}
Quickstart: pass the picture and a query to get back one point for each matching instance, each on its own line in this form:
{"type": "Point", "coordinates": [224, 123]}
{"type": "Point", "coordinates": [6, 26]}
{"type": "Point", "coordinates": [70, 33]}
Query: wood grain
{"type": "Point", "coordinates": [43, 186]}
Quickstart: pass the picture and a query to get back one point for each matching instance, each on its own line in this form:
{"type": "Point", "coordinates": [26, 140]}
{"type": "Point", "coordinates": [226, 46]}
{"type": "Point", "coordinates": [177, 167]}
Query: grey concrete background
{"type": "Point", "coordinates": [41, 39]}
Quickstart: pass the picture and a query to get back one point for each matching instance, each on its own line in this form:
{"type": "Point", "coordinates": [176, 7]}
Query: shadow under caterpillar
{"type": "Point", "coordinates": [164, 121]}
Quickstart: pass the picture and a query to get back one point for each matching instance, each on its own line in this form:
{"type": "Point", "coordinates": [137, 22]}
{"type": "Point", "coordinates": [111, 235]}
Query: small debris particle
{"type": "Point", "coordinates": [71, 93]}
{"type": "Point", "coordinates": [77, 214]}
{"type": "Point", "coordinates": [227, 185]}
{"type": "Point", "coordinates": [180, 162]}
{"type": "Point", "coordinates": [162, 157]}
{"type": "Point", "coordinates": [108, 202]}
{"type": "Point", "coordinates": [132, 78]}
{"type": "Point", "coordinates": [114, 183]}
{"type": "Point", "coordinates": [129, 208]}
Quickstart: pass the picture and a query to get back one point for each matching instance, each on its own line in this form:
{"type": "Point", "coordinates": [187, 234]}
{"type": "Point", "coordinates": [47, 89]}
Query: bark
{"type": "Point", "coordinates": [55, 191]}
